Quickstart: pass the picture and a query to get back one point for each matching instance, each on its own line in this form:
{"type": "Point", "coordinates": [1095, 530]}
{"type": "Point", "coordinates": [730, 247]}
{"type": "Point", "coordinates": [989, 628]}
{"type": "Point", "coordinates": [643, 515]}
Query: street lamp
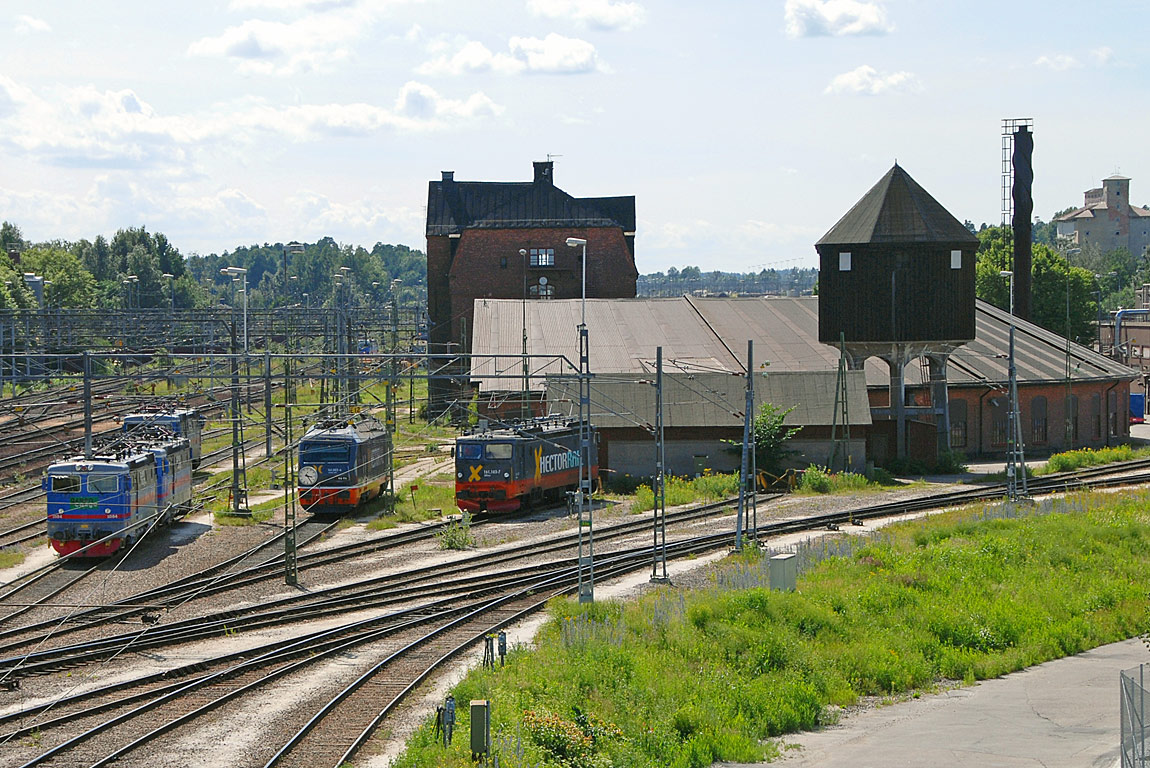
{"type": "Point", "coordinates": [128, 281]}
{"type": "Point", "coordinates": [574, 242]}
{"type": "Point", "coordinates": [1016, 463]}
{"type": "Point", "coordinates": [171, 291]}
{"type": "Point", "coordinates": [586, 509]}
{"type": "Point", "coordinates": [234, 271]}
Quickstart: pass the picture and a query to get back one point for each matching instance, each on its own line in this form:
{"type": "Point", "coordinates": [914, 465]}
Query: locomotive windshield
{"type": "Point", "coordinates": [498, 451]}
{"type": "Point", "coordinates": [488, 451]}
{"type": "Point", "coordinates": [321, 453]}
{"type": "Point", "coordinates": [103, 484]}
{"type": "Point", "coordinates": [66, 483]}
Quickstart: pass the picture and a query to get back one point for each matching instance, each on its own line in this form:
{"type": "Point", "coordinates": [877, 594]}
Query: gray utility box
{"type": "Point", "coordinates": [783, 572]}
{"type": "Point", "coordinates": [480, 727]}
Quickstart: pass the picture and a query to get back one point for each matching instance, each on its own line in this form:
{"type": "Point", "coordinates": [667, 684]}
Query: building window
{"type": "Point", "coordinates": [542, 257]}
{"type": "Point", "coordinates": [1038, 420]}
{"type": "Point", "coordinates": [1096, 415]}
{"type": "Point", "coordinates": [957, 423]}
{"type": "Point", "coordinates": [1112, 412]}
{"type": "Point", "coordinates": [542, 291]}
{"type": "Point", "coordinates": [844, 262]}
{"type": "Point", "coordinates": [1072, 419]}
{"type": "Point", "coordinates": [956, 259]}
{"type": "Point", "coordinates": [503, 262]}
{"type": "Point", "coordinates": [999, 422]}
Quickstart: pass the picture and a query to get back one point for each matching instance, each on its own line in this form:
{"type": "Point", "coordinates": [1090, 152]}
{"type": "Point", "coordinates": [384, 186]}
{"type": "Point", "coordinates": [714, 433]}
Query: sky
{"type": "Point", "coordinates": [745, 130]}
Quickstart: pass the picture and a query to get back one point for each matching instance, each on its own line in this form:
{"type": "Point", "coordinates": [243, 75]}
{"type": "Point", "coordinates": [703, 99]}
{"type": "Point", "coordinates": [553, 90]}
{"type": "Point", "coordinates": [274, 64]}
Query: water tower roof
{"type": "Point", "coordinates": [897, 210]}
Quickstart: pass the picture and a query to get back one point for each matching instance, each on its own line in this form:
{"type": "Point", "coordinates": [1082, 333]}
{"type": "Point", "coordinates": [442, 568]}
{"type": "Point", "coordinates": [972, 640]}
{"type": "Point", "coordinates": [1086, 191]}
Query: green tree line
{"type": "Point", "coordinates": [137, 268]}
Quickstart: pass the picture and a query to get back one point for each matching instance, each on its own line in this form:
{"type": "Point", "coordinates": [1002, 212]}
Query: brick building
{"type": "Point", "coordinates": [508, 240]}
{"type": "Point", "coordinates": [703, 336]}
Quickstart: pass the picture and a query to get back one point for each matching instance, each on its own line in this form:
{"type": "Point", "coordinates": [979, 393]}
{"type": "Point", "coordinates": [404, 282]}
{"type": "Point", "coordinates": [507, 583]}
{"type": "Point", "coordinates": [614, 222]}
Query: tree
{"type": "Point", "coordinates": [769, 435]}
{"type": "Point", "coordinates": [1053, 281]}
{"type": "Point", "coordinates": [72, 285]}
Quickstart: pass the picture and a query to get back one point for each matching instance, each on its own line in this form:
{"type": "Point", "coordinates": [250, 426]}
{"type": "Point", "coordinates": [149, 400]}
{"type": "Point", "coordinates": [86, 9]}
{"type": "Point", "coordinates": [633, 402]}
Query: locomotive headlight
{"type": "Point", "coordinates": [506, 474]}
{"type": "Point", "coordinates": [308, 476]}
{"type": "Point", "coordinates": [459, 475]}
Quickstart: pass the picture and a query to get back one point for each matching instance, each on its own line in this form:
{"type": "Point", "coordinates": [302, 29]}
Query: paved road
{"type": "Point", "coordinates": [1062, 714]}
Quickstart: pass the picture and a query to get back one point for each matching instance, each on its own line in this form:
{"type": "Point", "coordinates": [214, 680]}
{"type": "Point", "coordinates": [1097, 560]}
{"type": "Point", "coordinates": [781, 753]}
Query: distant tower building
{"type": "Point", "coordinates": [1107, 220]}
{"type": "Point", "coordinates": [896, 280]}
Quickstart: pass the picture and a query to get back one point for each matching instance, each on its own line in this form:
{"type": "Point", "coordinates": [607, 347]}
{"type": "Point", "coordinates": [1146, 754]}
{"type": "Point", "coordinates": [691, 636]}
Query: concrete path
{"type": "Point", "coordinates": [1062, 714]}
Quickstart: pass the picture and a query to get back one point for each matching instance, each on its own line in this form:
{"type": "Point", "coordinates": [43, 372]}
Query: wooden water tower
{"type": "Point", "coordinates": [896, 280]}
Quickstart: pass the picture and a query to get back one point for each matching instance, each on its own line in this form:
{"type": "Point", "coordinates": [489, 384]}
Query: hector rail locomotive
{"type": "Point", "coordinates": [504, 469]}
{"type": "Point", "coordinates": [343, 463]}
{"type": "Point", "coordinates": [118, 492]}
{"type": "Point", "coordinates": [183, 422]}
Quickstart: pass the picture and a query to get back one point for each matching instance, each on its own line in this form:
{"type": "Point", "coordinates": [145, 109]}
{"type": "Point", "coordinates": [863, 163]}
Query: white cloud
{"type": "Point", "coordinates": [277, 48]}
{"type": "Point", "coordinates": [866, 79]}
{"type": "Point", "coordinates": [1059, 62]}
{"type": "Point", "coordinates": [553, 54]}
{"type": "Point", "coordinates": [86, 127]}
{"type": "Point", "coordinates": [819, 18]}
{"type": "Point", "coordinates": [27, 25]}
{"type": "Point", "coordinates": [1102, 55]}
{"type": "Point", "coordinates": [603, 14]}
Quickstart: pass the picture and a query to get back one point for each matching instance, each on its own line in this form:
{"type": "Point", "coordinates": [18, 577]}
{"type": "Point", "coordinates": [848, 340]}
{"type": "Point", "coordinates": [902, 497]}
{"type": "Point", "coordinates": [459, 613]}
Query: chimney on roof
{"type": "Point", "coordinates": [543, 171]}
{"type": "Point", "coordinates": [449, 175]}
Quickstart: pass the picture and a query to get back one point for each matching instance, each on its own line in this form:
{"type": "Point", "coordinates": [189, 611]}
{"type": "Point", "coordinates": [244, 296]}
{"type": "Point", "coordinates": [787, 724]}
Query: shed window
{"type": "Point", "coordinates": [542, 257]}
{"type": "Point", "coordinates": [956, 259]}
{"type": "Point", "coordinates": [1038, 420]}
{"type": "Point", "coordinates": [1096, 415]}
{"type": "Point", "coordinates": [999, 422]}
{"type": "Point", "coordinates": [845, 261]}
{"type": "Point", "coordinates": [1072, 420]}
{"type": "Point", "coordinates": [957, 423]}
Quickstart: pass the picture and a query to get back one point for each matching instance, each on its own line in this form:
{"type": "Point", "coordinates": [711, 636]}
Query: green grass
{"type": "Point", "coordinates": [1088, 457]}
{"type": "Point", "coordinates": [683, 490]}
{"type": "Point", "coordinates": [432, 500]}
{"type": "Point", "coordinates": [964, 596]}
{"type": "Point", "coordinates": [10, 559]}
{"type": "Point", "coordinates": [817, 481]}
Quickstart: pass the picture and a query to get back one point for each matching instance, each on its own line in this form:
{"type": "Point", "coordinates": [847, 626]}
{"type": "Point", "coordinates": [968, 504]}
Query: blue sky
{"type": "Point", "coordinates": [744, 129]}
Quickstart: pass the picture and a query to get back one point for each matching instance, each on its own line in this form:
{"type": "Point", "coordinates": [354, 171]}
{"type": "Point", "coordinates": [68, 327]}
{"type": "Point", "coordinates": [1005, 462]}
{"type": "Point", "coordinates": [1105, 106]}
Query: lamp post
{"type": "Point", "coordinates": [586, 510]}
{"type": "Point", "coordinates": [1016, 462]}
{"type": "Point", "coordinates": [241, 272]}
{"type": "Point", "coordinates": [171, 291]}
{"type": "Point", "coordinates": [1098, 285]}
{"type": "Point", "coordinates": [523, 301]}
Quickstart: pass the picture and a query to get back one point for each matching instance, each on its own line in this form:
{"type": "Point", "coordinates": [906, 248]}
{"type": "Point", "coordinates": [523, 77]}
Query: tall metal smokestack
{"type": "Point", "coordinates": [1022, 162]}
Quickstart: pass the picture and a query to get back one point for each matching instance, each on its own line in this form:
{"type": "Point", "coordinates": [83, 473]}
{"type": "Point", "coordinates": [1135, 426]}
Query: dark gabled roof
{"type": "Point", "coordinates": [453, 206]}
{"type": "Point", "coordinates": [897, 210]}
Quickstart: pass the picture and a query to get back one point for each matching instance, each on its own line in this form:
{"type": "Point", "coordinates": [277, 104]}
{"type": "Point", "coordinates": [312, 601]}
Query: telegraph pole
{"type": "Point", "coordinates": [659, 550]}
{"type": "Point", "coordinates": [744, 464]}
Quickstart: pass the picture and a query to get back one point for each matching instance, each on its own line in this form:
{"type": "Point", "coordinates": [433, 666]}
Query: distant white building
{"type": "Point", "coordinates": [1107, 219]}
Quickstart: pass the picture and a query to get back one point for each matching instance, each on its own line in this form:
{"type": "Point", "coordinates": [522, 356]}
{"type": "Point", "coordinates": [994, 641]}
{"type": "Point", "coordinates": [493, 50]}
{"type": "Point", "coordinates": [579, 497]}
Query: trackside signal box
{"type": "Point", "coordinates": [783, 572]}
{"type": "Point", "coordinates": [480, 728]}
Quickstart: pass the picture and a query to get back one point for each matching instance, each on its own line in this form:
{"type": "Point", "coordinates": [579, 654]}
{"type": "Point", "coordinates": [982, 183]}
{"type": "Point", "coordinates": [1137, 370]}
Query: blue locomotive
{"type": "Point", "coordinates": [117, 491]}
{"type": "Point", "coordinates": [343, 463]}
{"type": "Point", "coordinates": [500, 470]}
{"type": "Point", "coordinates": [183, 422]}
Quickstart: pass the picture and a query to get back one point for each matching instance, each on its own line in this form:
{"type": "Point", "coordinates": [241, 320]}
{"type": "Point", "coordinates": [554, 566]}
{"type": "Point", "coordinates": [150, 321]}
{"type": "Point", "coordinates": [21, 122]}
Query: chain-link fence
{"type": "Point", "coordinates": [1134, 747]}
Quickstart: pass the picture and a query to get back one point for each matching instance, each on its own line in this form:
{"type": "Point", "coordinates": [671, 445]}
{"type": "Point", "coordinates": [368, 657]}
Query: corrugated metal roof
{"type": "Point", "coordinates": [897, 210]}
{"type": "Point", "coordinates": [700, 335]}
{"type": "Point", "coordinates": [710, 399]}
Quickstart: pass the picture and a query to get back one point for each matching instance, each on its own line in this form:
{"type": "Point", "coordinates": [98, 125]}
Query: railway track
{"type": "Point", "coordinates": [425, 620]}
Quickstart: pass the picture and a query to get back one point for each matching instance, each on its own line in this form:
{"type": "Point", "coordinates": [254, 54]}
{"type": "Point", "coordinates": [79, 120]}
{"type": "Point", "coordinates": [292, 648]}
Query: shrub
{"type": "Point", "coordinates": [457, 535]}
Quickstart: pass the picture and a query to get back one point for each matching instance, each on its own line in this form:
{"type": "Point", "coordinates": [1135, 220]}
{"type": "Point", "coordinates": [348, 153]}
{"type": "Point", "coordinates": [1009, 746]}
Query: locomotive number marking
{"type": "Point", "coordinates": [474, 478]}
